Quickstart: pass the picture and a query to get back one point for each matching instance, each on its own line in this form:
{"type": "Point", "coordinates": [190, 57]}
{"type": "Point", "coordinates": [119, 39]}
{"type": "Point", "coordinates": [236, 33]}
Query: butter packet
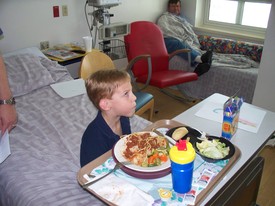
{"type": "Point", "coordinates": [231, 113]}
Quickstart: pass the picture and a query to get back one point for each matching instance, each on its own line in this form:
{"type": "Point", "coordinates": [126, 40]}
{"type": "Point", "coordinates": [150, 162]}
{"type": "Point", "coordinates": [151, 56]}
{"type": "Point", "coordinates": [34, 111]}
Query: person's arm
{"type": "Point", "coordinates": [8, 116]}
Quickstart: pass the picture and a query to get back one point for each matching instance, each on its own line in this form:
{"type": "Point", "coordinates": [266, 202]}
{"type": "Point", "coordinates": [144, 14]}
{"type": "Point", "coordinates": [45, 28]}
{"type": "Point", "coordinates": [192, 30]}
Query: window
{"type": "Point", "coordinates": [240, 12]}
{"type": "Point", "coordinates": [238, 15]}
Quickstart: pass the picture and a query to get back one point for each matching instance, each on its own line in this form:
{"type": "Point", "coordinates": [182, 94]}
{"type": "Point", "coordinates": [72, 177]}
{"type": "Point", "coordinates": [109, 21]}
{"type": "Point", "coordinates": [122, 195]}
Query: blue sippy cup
{"type": "Point", "coordinates": [182, 157]}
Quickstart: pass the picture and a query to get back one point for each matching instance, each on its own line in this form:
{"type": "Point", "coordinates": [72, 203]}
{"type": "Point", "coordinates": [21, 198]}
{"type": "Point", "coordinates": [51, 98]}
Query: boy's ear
{"type": "Point", "coordinates": [104, 104]}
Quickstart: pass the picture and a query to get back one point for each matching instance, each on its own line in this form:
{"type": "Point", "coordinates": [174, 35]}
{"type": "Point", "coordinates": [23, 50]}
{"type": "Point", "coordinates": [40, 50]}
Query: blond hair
{"type": "Point", "coordinates": [102, 84]}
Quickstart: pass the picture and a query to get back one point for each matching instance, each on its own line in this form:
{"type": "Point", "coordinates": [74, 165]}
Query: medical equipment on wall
{"type": "Point", "coordinates": [101, 15]}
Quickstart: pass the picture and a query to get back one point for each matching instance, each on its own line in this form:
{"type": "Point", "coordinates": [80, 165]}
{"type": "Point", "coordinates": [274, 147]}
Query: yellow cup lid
{"type": "Point", "coordinates": [182, 153]}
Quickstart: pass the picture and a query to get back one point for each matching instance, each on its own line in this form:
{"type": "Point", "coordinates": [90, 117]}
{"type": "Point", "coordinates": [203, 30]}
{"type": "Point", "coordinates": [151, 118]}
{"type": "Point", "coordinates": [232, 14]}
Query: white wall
{"type": "Point", "coordinates": [28, 22]}
{"type": "Point", "coordinates": [264, 95]}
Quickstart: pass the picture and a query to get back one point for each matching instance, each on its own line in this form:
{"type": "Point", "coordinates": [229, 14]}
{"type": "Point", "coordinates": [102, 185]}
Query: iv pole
{"type": "Point", "coordinates": [101, 15]}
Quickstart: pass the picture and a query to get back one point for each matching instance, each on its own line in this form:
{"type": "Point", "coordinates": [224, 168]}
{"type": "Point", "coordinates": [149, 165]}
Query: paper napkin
{"type": "Point", "coordinates": [121, 192]}
{"type": "Point", "coordinates": [4, 146]}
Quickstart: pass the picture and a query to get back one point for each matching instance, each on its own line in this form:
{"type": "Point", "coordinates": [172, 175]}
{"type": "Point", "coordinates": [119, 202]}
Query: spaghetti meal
{"type": "Point", "coordinates": [145, 150]}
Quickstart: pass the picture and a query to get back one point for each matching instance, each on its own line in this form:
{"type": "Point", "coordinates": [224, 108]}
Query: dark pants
{"type": "Point", "coordinates": [173, 44]}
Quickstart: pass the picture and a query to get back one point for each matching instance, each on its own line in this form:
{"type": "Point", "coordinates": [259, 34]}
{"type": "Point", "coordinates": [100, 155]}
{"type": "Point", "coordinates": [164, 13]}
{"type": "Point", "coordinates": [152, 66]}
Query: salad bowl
{"type": "Point", "coordinates": [221, 145]}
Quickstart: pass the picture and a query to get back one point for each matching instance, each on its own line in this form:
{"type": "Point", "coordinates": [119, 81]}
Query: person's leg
{"type": "Point", "coordinates": [173, 44]}
{"type": "Point", "coordinates": [202, 68]}
{"type": "Point", "coordinates": [201, 63]}
{"type": "Point", "coordinates": [207, 57]}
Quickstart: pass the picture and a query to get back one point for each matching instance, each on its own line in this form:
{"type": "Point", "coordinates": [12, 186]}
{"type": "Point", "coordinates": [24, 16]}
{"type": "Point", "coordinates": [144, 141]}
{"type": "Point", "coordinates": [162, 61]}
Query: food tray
{"type": "Point", "coordinates": [159, 124]}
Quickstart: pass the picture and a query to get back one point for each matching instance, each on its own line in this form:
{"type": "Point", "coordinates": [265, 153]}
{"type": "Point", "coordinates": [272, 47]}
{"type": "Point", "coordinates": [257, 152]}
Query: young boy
{"type": "Point", "coordinates": [111, 93]}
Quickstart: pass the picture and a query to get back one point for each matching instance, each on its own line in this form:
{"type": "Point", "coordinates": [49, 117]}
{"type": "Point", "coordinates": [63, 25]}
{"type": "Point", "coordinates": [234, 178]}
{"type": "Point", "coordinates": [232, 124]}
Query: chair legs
{"type": "Point", "coordinates": [149, 106]}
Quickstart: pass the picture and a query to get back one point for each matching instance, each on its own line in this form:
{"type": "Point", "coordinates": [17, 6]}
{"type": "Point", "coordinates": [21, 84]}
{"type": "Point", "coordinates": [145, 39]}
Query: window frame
{"type": "Point", "coordinates": [228, 28]}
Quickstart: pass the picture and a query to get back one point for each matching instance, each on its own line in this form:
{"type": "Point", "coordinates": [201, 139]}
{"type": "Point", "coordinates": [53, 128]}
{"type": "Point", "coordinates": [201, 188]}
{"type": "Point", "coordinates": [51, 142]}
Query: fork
{"type": "Point", "coordinates": [170, 139]}
{"type": "Point", "coordinates": [117, 166]}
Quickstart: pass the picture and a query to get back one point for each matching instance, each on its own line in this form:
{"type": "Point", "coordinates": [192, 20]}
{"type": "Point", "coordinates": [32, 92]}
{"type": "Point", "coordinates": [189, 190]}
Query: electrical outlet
{"type": "Point", "coordinates": [44, 45]}
{"type": "Point", "coordinates": [64, 10]}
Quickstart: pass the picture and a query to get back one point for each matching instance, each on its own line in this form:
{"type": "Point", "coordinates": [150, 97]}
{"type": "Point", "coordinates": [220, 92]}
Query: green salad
{"type": "Point", "coordinates": [213, 148]}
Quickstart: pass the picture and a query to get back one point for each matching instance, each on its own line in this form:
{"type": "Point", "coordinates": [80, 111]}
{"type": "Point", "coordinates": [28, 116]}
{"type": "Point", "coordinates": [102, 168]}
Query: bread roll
{"type": "Point", "coordinates": [179, 133]}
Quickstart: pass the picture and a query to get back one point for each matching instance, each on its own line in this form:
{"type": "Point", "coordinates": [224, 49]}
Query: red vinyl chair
{"type": "Point", "coordinates": [149, 60]}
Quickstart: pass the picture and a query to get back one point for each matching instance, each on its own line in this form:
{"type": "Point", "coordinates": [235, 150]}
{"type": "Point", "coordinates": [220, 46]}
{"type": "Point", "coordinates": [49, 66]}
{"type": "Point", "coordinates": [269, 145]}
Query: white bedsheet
{"type": "Point", "coordinates": [45, 148]}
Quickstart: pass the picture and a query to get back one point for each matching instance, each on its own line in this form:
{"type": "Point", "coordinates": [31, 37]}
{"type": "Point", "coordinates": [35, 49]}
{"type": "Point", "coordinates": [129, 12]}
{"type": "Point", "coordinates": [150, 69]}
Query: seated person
{"type": "Point", "coordinates": [179, 34]}
{"type": "Point", "coordinates": [111, 93]}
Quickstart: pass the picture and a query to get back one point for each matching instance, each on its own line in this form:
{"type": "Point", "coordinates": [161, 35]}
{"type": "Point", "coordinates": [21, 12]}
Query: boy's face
{"type": "Point", "coordinates": [123, 101]}
{"type": "Point", "coordinates": [174, 8]}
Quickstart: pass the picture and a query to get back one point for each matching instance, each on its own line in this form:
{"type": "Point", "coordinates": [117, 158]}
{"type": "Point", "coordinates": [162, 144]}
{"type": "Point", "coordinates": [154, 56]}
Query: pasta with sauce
{"type": "Point", "coordinates": [146, 150]}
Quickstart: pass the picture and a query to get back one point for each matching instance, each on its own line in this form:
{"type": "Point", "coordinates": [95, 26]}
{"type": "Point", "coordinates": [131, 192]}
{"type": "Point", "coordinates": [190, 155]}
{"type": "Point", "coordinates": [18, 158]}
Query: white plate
{"type": "Point", "coordinates": [117, 153]}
